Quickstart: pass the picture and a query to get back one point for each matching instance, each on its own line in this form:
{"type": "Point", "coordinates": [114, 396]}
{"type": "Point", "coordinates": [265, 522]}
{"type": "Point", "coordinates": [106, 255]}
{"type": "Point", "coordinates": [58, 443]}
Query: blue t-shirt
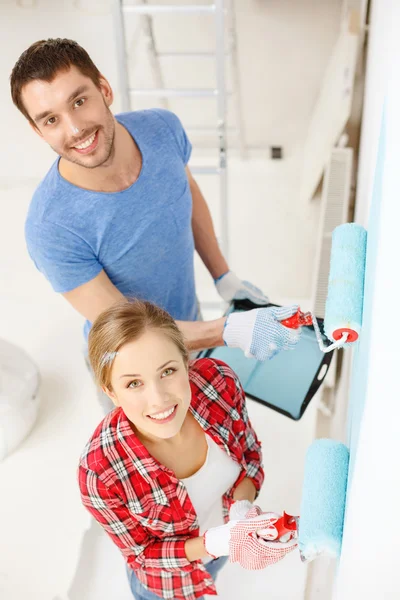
{"type": "Point", "coordinates": [142, 236]}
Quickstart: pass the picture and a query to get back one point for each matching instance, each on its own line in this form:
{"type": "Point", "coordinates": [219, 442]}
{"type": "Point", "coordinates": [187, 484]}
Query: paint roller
{"type": "Point", "coordinates": [319, 529]}
{"type": "Point", "coordinates": [344, 304]}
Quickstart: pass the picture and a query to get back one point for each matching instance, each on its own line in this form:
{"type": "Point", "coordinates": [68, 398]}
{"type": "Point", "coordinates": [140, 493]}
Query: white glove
{"type": "Point", "coordinates": [239, 510]}
{"type": "Point", "coordinates": [241, 541]}
{"type": "Point", "coordinates": [230, 287]}
{"type": "Point", "coordinates": [259, 333]}
{"type": "Point", "coordinates": [217, 539]}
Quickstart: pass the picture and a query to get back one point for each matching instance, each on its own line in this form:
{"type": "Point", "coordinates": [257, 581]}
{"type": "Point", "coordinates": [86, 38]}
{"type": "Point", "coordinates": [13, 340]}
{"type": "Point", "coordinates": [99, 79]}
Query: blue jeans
{"type": "Point", "coordinates": [140, 593]}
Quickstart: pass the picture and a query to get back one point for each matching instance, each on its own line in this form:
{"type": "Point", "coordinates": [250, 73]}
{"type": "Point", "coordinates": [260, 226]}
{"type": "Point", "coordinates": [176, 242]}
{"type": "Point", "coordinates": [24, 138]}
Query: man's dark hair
{"type": "Point", "coordinates": [44, 60]}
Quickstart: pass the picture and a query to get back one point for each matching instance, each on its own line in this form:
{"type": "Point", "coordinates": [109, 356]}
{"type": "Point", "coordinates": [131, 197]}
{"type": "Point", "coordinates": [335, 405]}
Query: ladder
{"type": "Point", "coordinates": [218, 11]}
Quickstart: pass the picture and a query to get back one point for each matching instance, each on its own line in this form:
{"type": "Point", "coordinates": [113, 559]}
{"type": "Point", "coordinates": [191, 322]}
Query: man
{"type": "Point", "coordinates": [119, 213]}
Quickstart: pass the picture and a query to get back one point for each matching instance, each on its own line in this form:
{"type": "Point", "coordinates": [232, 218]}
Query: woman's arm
{"type": "Point", "coordinates": [245, 490]}
{"type": "Point", "coordinates": [195, 548]}
{"type": "Point", "coordinates": [139, 548]}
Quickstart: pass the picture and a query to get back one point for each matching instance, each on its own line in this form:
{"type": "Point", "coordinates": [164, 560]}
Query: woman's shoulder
{"type": "Point", "coordinates": [210, 368]}
{"type": "Point", "coordinates": [94, 456]}
{"type": "Point", "coordinates": [214, 379]}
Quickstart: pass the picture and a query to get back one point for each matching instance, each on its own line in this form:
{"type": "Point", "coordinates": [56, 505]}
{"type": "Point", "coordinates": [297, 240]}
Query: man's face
{"type": "Point", "coordinates": [72, 115]}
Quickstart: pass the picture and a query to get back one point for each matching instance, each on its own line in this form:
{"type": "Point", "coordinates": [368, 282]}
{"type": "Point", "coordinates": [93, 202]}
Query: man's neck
{"type": "Point", "coordinates": [119, 172]}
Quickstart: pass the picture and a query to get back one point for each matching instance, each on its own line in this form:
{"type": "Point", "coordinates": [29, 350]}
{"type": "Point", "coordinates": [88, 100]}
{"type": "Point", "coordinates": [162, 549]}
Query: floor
{"type": "Point", "coordinates": [272, 245]}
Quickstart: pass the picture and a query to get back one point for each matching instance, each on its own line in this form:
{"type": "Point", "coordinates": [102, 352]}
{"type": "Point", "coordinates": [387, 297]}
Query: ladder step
{"type": "Point", "coordinates": [209, 130]}
{"type": "Point", "coordinates": [146, 9]}
{"type": "Point", "coordinates": [189, 54]}
{"type": "Point", "coordinates": [205, 170]}
{"type": "Point", "coordinates": [165, 93]}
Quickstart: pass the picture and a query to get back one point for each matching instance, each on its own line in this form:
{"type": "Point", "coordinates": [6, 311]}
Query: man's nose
{"type": "Point", "coordinates": [73, 127]}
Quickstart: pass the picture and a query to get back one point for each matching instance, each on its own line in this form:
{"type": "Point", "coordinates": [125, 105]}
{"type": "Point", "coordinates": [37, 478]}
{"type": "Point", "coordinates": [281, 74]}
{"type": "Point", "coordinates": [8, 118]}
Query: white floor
{"type": "Point", "coordinates": [43, 522]}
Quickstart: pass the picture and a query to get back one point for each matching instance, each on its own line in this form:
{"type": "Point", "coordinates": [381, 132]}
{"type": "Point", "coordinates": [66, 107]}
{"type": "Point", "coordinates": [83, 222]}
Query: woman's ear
{"type": "Point", "coordinates": [110, 394]}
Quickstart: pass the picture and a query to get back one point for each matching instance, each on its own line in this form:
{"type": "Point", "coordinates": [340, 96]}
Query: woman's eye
{"type": "Point", "coordinates": [168, 371]}
{"type": "Point", "coordinates": [134, 384]}
{"type": "Point", "coordinates": [80, 102]}
{"type": "Point", "coordinates": [50, 121]}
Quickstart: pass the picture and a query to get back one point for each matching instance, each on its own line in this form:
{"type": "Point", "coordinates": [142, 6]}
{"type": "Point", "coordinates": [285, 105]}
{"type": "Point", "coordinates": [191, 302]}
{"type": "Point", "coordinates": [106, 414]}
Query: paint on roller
{"type": "Point", "coordinates": [344, 304]}
{"type": "Point", "coordinates": [324, 499]}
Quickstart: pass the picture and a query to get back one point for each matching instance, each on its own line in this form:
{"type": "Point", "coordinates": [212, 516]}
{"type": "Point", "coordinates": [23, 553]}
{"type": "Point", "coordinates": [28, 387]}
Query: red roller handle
{"type": "Point", "coordinates": [285, 524]}
{"type": "Point", "coordinates": [299, 319]}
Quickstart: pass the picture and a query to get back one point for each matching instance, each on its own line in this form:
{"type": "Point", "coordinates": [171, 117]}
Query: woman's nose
{"type": "Point", "coordinates": [159, 396]}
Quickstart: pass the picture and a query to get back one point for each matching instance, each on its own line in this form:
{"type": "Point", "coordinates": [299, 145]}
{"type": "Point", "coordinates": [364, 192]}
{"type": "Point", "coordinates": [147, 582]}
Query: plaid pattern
{"type": "Point", "coordinates": [143, 507]}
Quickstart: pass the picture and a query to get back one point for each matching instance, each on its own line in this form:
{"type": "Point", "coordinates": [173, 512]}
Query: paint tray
{"type": "Point", "coordinates": [287, 382]}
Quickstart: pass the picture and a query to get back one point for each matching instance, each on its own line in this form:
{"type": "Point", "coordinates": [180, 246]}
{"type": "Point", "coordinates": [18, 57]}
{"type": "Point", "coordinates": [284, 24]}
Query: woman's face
{"type": "Point", "coordinates": [150, 383]}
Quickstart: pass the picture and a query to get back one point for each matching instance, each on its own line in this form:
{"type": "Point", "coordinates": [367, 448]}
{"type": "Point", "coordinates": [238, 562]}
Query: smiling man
{"type": "Point", "coordinates": [119, 214]}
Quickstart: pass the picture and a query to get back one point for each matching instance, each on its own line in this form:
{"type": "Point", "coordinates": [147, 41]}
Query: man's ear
{"type": "Point", "coordinates": [35, 129]}
{"type": "Point", "coordinates": [106, 91]}
{"type": "Point", "coordinates": [110, 394]}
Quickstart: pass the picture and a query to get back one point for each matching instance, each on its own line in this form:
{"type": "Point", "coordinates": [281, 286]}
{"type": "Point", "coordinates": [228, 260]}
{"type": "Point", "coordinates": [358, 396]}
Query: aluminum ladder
{"type": "Point", "coordinates": [218, 10]}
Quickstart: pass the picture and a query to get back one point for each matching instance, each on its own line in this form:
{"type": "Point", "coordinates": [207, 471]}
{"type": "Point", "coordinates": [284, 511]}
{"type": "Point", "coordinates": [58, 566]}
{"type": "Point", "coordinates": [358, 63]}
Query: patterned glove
{"type": "Point", "coordinates": [259, 333]}
{"type": "Point", "coordinates": [230, 287]}
{"type": "Point", "coordinates": [239, 510]}
{"type": "Point", "coordinates": [217, 540]}
{"type": "Point", "coordinates": [260, 548]}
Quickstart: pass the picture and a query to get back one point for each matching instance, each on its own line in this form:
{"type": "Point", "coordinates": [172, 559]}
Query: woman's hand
{"type": "Point", "coordinates": [242, 542]}
{"type": "Point", "coordinates": [258, 548]}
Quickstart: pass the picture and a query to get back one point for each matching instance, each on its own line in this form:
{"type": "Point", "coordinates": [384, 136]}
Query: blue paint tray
{"type": "Point", "coordinates": [286, 383]}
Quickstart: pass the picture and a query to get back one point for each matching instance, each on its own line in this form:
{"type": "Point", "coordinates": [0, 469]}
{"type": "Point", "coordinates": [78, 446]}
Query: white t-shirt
{"type": "Point", "coordinates": [207, 486]}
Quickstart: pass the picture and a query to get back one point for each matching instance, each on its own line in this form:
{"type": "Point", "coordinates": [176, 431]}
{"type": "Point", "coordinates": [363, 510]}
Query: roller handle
{"type": "Point", "coordinates": [299, 319]}
{"type": "Point", "coordinates": [284, 527]}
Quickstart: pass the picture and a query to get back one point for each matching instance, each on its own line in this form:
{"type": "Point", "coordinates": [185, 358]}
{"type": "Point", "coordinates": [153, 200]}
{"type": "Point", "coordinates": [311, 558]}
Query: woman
{"type": "Point", "coordinates": [174, 461]}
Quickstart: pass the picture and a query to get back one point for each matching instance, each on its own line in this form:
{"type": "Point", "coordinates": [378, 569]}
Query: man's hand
{"type": "Point", "coordinates": [259, 333]}
{"type": "Point", "coordinates": [230, 287]}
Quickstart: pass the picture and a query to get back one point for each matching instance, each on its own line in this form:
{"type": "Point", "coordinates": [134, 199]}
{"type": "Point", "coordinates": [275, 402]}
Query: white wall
{"type": "Point", "coordinates": [378, 67]}
{"type": "Point", "coordinates": [370, 560]}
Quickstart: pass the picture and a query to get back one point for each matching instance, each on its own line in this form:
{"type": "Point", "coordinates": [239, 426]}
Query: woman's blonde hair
{"type": "Point", "coordinates": [122, 323]}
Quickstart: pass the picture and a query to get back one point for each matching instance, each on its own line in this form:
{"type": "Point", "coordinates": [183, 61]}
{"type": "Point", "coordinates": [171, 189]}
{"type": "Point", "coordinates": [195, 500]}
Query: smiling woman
{"type": "Point", "coordinates": [174, 461]}
{"type": "Point", "coordinates": [140, 361]}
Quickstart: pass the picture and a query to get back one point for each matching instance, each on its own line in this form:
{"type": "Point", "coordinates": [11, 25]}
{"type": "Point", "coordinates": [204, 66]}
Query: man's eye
{"type": "Point", "coordinates": [134, 384]}
{"type": "Point", "coordinates": [50, 121]}
{"type": "Point", "coordinates": [80, 102]}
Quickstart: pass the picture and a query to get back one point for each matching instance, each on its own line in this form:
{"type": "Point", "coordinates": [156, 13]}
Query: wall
{"type": "Point", "coordinates": [369, 563]}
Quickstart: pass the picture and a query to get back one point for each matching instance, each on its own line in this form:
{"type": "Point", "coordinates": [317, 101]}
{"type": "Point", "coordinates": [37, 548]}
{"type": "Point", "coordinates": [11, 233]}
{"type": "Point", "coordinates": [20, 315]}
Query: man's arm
{"type": "Point", "coordinates": [205, 240]}
{"type": "Point", "coordinates": [95, 296]}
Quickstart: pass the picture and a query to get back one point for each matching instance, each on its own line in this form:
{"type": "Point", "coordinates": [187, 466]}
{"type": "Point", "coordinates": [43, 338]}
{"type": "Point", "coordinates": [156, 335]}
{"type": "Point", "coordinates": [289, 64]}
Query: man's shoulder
{"type": "Point", "coordinates": [150, 117]}
{"type": "Point", "coordinates": [43, 195]}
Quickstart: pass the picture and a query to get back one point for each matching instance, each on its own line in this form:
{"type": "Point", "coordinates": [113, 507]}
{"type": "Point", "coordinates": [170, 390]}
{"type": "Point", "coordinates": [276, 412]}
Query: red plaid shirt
{"type": "Point", "coordinates": [142, 505]}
